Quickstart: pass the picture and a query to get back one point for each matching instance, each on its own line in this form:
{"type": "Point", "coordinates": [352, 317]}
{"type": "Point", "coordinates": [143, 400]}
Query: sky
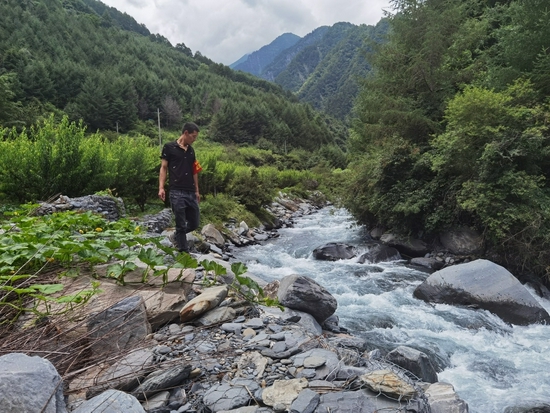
{"type": "Point", "coordinates": [225, 30]}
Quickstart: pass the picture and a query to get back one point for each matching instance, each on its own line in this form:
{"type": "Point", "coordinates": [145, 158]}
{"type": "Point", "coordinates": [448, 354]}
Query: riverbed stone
{"type": "Point", "coordinates": [306, 402]}
{"type": "Point", "coordinates": [212, 235]}
{"type": "Point", "coordinates": [162, 379]}
{"type": "Point", "coordinates": [360, 401]}
{"type": "Point", "coordinates": [487, 285]}
{"type": "Point", "coordinates": [328, 370]}
{"type": "Point", "coordinates": [389, 383]}
{"type": "Point", "coordinates": [442, 398]}
{"type": "Point", "coordinates": [111, 401]}
{"type": "Point", "coordinates": [414, 361]}
{"type": "Point", "coordinates": [283, 392]}
{"type": "Point", "coordinates": [334, 251]}
{"type": "Point", "coordinates": [216, 315]}
{"type": "Point", "coordinates": [209, 299]}
{"type": "Point", "coordinates": [36, 379]}
{"type": "Point", "coordinates": [379, 253]}
{"type": "Point", "coordinates": [304, 294]}
{"type": "Point", "coordinates": [228, 396]}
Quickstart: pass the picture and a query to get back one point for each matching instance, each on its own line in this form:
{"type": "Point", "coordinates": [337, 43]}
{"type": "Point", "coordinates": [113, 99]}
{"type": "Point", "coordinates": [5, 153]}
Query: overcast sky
{"type": "Point", "coordinates": [225, 30]}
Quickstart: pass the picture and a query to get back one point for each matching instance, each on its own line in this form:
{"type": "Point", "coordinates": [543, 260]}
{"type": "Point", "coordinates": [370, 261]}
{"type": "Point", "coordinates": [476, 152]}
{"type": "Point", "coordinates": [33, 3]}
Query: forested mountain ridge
{"type": "Point", "coordinates": [324, 68]}
{"type": "Point", "coordinates": [63, 56]}
{"type": "Point", "coordinates": [255, 62]}
{"type": "Point", "coordinates": [452, 128]}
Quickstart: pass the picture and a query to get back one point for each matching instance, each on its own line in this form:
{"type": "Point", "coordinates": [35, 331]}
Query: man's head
{"type": "Point", "coordinates": [189, 133]}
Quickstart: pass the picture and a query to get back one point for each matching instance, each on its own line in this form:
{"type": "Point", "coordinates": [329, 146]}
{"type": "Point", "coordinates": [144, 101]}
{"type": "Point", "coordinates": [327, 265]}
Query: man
{"type": "Point", "coordinates": [181, 166]}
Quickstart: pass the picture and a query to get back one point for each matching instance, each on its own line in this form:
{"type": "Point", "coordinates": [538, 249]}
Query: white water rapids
{"type": "Point", "coordinates": [491, 364]}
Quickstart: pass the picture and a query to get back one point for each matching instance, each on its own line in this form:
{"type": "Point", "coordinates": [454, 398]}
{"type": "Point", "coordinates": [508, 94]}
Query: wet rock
{"type": "Point", "coordinates": [334, 251]}
{"type": "Point", "coordinates": [427, 262]}
{"type": "Point", "coordinates": [379, 253]}
{"type": "Point", "coordinates": [304, 294]}
{"type": "Point", "coordinates": [212, 235]}
{"type": "Point", "coordinates": [414, 361]}
{"type": "Point", "coordinates": [486, 285]}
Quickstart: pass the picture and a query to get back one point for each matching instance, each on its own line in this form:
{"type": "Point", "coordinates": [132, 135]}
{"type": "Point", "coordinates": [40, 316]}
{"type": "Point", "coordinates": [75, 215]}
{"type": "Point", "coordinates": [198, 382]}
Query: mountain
{"type": "Point", "coordinates": [325, 66]}
{"type": "Point", "coordinates": [90, 62]}
{"type": "Point", "coordinates": [254, 63]}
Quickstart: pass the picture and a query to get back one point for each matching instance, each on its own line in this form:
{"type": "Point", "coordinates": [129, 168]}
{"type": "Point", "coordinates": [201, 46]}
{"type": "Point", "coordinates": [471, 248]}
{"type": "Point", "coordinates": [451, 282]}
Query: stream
{"type": "Point", "coordinates": [491, 364]}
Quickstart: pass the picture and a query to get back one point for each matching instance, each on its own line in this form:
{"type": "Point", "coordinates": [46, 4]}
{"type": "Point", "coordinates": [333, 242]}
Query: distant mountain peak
{"type": "Point", "coordinates": [255, 62]}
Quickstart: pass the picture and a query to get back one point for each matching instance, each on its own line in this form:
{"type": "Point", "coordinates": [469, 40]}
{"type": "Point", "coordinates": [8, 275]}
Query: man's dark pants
{"type": "Point", "coordinates": [186, 211]}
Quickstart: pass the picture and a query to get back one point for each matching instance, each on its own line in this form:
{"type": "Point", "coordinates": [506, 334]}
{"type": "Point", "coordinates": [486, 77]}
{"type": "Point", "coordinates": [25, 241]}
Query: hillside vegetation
{"type": "Point", "coordinates": [323, 68]}
{"type": "Point", "coordinates": [65, 57]}
{"type": "Point", "coordinates": [452, 127]}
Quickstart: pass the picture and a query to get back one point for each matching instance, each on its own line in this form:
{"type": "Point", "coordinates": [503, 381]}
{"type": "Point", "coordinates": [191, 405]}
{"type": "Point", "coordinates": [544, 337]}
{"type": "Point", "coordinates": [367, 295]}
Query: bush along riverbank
{"type": "Point", "coordinates": [196, 335]}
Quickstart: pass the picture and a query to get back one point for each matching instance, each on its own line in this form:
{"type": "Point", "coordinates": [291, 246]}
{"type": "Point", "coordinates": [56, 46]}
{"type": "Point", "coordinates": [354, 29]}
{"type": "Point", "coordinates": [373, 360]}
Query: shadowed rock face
{"type": "Point", "coordinates": [334, 251]}
{"type": "Point", "coordinates": [487, 285]}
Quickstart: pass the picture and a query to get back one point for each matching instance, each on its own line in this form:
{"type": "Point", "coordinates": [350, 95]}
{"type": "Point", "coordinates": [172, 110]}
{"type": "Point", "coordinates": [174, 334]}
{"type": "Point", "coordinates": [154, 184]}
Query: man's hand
{"type": "Point", "coordinates": [162, 194]}
{"type": "Point", "coordinates": [198, 196]}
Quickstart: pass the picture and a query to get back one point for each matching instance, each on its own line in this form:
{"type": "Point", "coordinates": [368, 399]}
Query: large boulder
{"type": "Point", "coordinates": [408, 246]}
{"type": "Point", "coordinates": [461, 241]}
{"type": "Point", "coordinates": [304, 294]}
{"type": "Point", "coordinates": [212, 235]}
{"type": "Point", "coordinates": [30, 384]}
{"type": "Point", "coordinates": [487, 285]}
{"type": "Point", "coordinates": [334, 251]}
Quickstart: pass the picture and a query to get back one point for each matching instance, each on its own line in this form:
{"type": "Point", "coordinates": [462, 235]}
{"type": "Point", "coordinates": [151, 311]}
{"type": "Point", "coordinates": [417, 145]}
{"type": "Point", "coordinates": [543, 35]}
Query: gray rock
{"type": "Point", "coordinates": [487, 285]}
{"type": "Point", "coordinates": [304, 294]}
{"type": "Point", "coordinates": [306, 402]}
{"type": "Point", "coordinates": [349, 342]}
{"type": "Point", "coordinates": [211, 234]}
{"type": "Point", "coordinates": [306, 321]}
{"type": "Point", "coordinates": [414, 361]}
{"type": "Point", "coordinates": [379, 253]}
{"type": "Point", "coordinates": [111, 401]}
{"type": "Point", "coordinates": [34, 378]}
{"type": "Point", "coordinates": [334, 251]}
{"type": "Point", "coordinates": [405, 245]}
{"type": "Point", "coordinates": [164, 379]}
{"type": "Point", "coordinates": [232, 327]}
{"type": "Point", "coordinates": [255, 323]}
{"type": "Point", "coordinates": [328, 371]}
{"type": "Point", "coordinates": [227, 396]}
{"type": "Point", "coordinates": [216, 315]}
{"type": "Point", "coordinates": [361, 401]}
{"type": "Point", "coordinates": [443, 399]}
{"type": "Point", "coordinates": [462, 241]}
{"type": "Point", "coordinates": [125, 374]}
{"type": "Point", "coordinates": [427, 262]}
{"type": "Point", "coordinates": [119, 327]}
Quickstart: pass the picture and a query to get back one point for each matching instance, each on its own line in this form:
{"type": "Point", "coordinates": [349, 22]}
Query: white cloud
{"type": "Point", "coordinates": [225, 30]}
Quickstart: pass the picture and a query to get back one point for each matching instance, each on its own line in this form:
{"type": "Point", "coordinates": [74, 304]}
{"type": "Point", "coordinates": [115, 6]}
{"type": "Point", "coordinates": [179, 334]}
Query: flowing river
{"type": "Point", "coordinates": [491, 364]}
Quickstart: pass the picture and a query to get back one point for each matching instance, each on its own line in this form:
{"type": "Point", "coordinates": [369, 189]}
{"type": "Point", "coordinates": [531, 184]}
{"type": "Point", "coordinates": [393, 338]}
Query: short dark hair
{"type": "Point", "coordinates": [190, 127]}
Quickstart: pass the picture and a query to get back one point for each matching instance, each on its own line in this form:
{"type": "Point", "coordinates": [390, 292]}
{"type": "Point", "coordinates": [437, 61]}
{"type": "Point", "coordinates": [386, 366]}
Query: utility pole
{"type": "Point", "coordinates": [160, 138]}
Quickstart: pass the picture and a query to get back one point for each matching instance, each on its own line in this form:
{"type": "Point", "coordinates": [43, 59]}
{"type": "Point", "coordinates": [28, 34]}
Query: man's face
{"type": "Point", "coordinates": [190, 138]}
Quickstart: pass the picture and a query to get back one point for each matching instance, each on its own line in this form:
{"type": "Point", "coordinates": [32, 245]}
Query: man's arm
{"type": "Point", "coordinates": [196, 180]}
{"type": "Point", "coordinates": [162, 178]}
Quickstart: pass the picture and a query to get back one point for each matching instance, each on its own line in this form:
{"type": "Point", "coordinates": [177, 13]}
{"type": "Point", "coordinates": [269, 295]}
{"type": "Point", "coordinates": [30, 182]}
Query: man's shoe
{"type": "Point", "coordinates": [172, 238]}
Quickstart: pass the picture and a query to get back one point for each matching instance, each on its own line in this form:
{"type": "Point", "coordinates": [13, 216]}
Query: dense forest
{"type": "Point", "coordinates": [91, 62]}
{"type": "Point", "coordinates": [451, 129]}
